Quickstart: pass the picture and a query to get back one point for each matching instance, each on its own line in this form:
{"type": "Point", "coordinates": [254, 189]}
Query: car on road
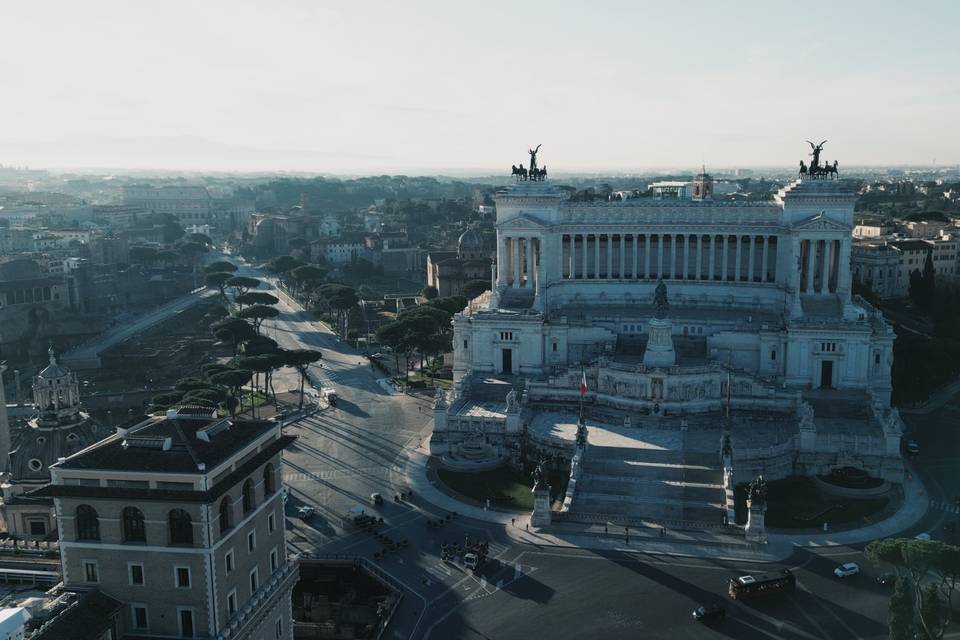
{"type": "Point", "coordinates": [922, 536]}
{"type": "Point", "coordinates": [471, 560]}
{"type": "Point", "coordinates": [707, 612]}
{"type": "Point", "coordinates": [846, 570]}
{"type": "Point", "coordinates": [913, 448]}
{"type": "Point", "coordinates": [376, 499]}
{"type": "Point", "coordinates": [887, 579]}
{"type": "Point", "coordinates": [305, 512]}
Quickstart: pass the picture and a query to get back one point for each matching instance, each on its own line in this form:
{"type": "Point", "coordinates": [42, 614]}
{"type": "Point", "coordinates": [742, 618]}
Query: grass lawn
{"type": "Point", "coordinates": [505, 486]}
{"type": "Point", "coordinates": [797, 503]}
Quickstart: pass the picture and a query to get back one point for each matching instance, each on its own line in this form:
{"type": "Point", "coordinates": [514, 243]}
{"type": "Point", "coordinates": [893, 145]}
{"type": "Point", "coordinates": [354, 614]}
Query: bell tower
{"type": "Point", "coordinates": [703, 186]}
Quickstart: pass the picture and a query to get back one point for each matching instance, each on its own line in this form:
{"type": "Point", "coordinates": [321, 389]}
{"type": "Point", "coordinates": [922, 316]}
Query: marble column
{"type": "Point", "coordinates": [573, 256]}
{"type": "Point", "coordinates": [752, 248]}
{"type": "Point", "coordinates": [660, 256]}
{"type": "Point", "coordinates": [609, 244]}
{"type": "Point", "coordinates": [712, 256]}
{"type": "Point", "coordinates": [586, 271]}
{"type": "Point", "coordinates": [738, 266]}
{"type": "Point", "coordinates": [596, 256]}
{"type": "Point", "coordinates": [765, 261]}
{"type": "Point", "coordinates": [501, 259]}
{"type": "Point", "coordinates": [623, 256]}
{"type": "Point", "coordinates": [686, 255]}
{"type": "Point", "coordinates": [646, 256]}
{"type": "Point", "coordinates": [726, 256]}
{"type": "Point", "coordinates": [843, 267]}
{"type": "Point", "coordinates": [825, 268]}
{"type": "Point", "coordinates": [699, 275]}
{"type": "Point", "coordinates": [563, 263]}
{"type": "Point", "coordinates": [636, 245]}
{"type": "Point", "coordinates": [811, 249]}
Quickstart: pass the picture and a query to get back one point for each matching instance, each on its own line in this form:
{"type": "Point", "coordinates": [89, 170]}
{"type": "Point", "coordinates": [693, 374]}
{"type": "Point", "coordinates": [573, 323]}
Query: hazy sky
{"type": "Point", "coordinates": [368, 87]}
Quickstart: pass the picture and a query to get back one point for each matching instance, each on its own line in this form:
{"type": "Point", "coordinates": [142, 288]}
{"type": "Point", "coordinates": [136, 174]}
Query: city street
{"type": "Point", "coordinates": [346, 453]}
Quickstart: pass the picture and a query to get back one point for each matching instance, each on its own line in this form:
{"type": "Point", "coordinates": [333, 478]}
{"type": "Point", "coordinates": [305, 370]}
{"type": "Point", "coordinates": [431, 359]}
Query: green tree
{"type": "Point", "coordinates": [429, 292]}
{"type": "Point", "coordinates": [929, 279]}
{"type": "Point", "coordinates": [258, 313]}
{"type": "Point", "coordinates": [281, 266]}
{"type": "Point", "coordinates": [474, 288]}
{"type": "Point", "coordinates": [234, 330]}
{"type": "Point", "coordinates": [301, 359]}
{"type": "Point", "coordinates": [900, 613]}
{"type": "Point", "coordinates": [140, 254]}
{"type": "Point", "coordinates": [218, 281]}
{"type": "Point", "coordinates": [450, 304]}
{"type": "Point", "coordinates": [164, 401]}
{"type": "Point", "coordinates": [920, 563]}
{"type": "Point", "coordinates": [257, 297]}
{"type": "Point", "coordinates": [234, 380]}
{"type": "Point", "coordinates": [917, 290]}
{"type": "Point", "coordinates": [242, 284]}
{"type": "Point", "coordinates": [220, 266]}
{"type": "Point", "coordinates": [341, 299]}
{"type": "Point", "coordinates": [308, 276]}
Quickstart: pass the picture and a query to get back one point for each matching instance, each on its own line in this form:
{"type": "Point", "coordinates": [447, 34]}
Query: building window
{"type": "Point", "coordinates": [773, 354]}
{"type": "Point", "coordinates": [273, 560]}
{"type": "Point", "coordinates": [181, 527]}
{"type": "Point", "coordinates": [182, 577]}
{"type": "Point", "coordinates": [38, 528]}
{"type": "Point", "coordinates": [254, 581]}
{"type": "Point", "coordinates": [88, 525]}
{"type": "Point", "coordinates": [90, 573]}
{"type": "Point", "coordinates": [228, 561]}
{"type": "Point", "coordinates": [271, 523]}
{"type": "Point", "coordinates": [35, 464]}
{"type": "Point", "coordinates": [554, 347]}
{"type": "Point", "coordinates": [232, 603]}
{"type": "Point", "coordinates": [185, 616]}
{"type": "Point", "coordinates": [268, 480]}
{"type": "Point", "coordinates": [248, 495]}
{"type": "Point", "coordinates": [139, 614]}
{"type": "Point", "coordinates": [134, 529]}
{"type": "Point", "coordinates": [226, 517]}
{"type": "Point", "coordinates": [135, 571]}
{"type": "Point", "coordinates": [251, 541]}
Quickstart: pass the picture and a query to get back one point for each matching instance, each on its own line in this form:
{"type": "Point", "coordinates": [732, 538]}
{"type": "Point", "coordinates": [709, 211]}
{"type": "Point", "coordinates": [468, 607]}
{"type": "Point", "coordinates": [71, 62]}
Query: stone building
{"type": "Point", "coordinates": [179, 517]}
{"type": "Point", "coordinates": [448, 271]}
{"type": "Point", "coordinates": [761, 323]}
{"type": "Point", "coordinates": [58, 428]}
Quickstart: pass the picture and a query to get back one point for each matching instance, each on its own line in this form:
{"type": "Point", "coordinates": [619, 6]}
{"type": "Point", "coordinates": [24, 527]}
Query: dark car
{"type": "Point", "coordinates": [913, 448]}
{"type": "Point", "coordinates": [887, 579]}
{"type": "Point", "coordinates": [707, 612]}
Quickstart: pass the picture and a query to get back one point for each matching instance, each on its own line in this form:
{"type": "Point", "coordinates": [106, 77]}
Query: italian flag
{"type": "Point", "coordinates": [583, 384]}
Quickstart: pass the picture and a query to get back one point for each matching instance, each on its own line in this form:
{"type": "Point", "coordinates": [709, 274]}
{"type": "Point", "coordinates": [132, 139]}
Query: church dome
{"type": "Point", "coordinates": [469, 243]}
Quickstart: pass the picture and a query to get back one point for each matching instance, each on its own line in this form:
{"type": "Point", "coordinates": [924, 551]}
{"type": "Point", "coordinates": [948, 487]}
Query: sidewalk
{"type": "Point", "coordinates": [718, 545]}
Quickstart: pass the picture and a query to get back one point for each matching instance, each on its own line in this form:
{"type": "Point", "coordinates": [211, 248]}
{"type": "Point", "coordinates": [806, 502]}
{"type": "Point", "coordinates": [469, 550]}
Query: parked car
{"type": "Point", "coordinates": [376, 499]}
{"type": "Point", "coordinates": [846, 570]}
{"type": "Point", "coordinates": [706, 612]}
{"type": "Point", "coordinates": [305, 512]}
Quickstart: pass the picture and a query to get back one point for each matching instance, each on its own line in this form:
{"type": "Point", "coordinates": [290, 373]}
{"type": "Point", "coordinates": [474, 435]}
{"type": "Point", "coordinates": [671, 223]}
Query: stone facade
{"type": "Point", "coordinates": [760, 313]}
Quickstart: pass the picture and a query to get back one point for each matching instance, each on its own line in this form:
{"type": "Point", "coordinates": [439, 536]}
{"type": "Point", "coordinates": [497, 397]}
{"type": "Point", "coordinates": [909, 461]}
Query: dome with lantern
{"type": "Point", "coordinates": [470, 244]}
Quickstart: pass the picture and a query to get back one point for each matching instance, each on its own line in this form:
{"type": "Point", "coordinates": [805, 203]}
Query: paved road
{"type": "Point", "coordinates": [346, 453]}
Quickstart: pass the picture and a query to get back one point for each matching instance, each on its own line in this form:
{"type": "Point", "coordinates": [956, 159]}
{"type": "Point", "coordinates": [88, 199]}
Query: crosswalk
{"type": "Point", "coordinates": [442, 571]}
{"type": "Point", "coordinates": [945, 506]}
{"type": "Point", "coordinates": [335, 474]}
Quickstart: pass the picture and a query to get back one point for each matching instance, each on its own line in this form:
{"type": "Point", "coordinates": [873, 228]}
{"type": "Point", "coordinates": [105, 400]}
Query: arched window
{"type": "Point", "coordinates": [134, 529]}
{"type": "Point", "coordinates": [181, 527]}
{"type": "Point", "coordinates": [248, 495]}
{"type": "Point", "coordinates": [88, 525]}
{"type": "Point", "coordinates": [268, 487]}
{"type": "Point", "coordinates": [226, 519]}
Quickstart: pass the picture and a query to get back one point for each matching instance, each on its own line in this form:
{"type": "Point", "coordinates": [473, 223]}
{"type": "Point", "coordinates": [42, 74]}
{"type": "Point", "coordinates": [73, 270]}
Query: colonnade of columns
{"type": "Point", "coordinates": [820, 262]}
{"type": "Point", "coordinates": [677, 256]}
{"type": "Point", "coordinates": [518, 259]}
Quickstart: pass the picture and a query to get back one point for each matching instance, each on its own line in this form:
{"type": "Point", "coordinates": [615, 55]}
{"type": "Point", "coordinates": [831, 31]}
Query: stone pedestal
{"type": "Point", "coordinates": [756, 530]}
{"type": "Point", "coordinates": [541, 506]}
{"type": "Point", "coordinates": [659, 352]}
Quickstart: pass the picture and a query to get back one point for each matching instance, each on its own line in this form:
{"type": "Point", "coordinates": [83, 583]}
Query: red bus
{"type": "Point", "coordinates": [760, 584]}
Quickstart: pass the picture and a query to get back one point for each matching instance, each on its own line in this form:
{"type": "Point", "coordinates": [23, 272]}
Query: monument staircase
{"type": "Point", "coordinates": [631, 486]}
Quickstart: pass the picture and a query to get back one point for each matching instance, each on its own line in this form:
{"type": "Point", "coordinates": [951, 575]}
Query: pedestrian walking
{"type": "Point", "coordinates": [605, 532]}
{"type": "Point", "coordinates": [527, 526]}
{"type": "Point", "coordinates": [513, 522]}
